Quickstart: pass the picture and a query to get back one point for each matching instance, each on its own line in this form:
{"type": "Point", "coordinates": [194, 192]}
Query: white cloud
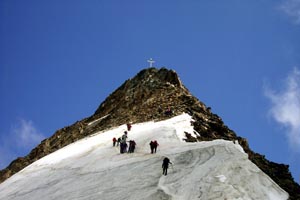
{"type": "Point", "coordinates": [292, 9]}
{"type": "Point", "coordinates": [22, 137]}
{"type": "Point", "coordinates": [27, 136]}
{"type": "Point", "coordinates": [285, 107]}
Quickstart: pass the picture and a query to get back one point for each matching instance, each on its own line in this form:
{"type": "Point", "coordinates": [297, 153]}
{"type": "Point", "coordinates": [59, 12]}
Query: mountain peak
{"type": "Point", "coordinates": [153, 95]}
{"type": "Point", "coordinates": [146, 97]}
{"type": "Point", "coordinates": [154, 76]}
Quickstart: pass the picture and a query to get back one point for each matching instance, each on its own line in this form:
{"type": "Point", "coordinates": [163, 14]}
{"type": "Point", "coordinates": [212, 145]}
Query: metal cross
{"type": "Point", "coordinates": [151, 61]}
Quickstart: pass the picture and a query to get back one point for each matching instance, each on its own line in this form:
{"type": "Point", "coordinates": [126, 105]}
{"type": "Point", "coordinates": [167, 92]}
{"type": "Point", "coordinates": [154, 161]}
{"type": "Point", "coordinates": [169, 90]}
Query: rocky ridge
{"type": "Point", "coordinates": [146, 97]}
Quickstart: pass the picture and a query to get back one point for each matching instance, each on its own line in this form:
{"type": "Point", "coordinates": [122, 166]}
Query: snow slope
{"type": "Point", "coordinates": [92, 169]}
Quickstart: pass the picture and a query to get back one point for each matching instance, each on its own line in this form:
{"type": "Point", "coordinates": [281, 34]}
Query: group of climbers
{"type": "Point", "coordinates": [122, 141]}
{"type": "Point", "coordinates": [123, 144]}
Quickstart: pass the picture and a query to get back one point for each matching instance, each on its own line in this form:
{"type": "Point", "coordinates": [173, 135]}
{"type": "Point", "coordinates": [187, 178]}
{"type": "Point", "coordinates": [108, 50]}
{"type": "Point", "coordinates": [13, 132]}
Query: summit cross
{"type": "Point", "coordinates": [151, 61]}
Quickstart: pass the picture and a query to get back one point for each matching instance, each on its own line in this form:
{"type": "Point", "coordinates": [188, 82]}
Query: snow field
{"type": "Point", "coordinates": [92, 169]}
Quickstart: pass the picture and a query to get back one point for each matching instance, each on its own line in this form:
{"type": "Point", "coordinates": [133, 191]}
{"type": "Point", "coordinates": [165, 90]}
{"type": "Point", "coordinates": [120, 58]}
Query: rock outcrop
{"type": "Point", "coordinates": [153, 94]}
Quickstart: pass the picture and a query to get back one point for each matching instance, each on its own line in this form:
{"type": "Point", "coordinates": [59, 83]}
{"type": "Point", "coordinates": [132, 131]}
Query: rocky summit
{"type": "Point", "coordinates": [153, 95]}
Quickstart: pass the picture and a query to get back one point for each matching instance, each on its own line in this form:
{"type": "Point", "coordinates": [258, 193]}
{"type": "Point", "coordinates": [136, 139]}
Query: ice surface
{"type": "Point", "coordinates": [92, 169]}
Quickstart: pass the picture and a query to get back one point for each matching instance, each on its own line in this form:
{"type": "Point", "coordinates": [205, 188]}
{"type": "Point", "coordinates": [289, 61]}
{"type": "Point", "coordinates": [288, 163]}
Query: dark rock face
{"type": "Point", "coordinates": [147, 97]}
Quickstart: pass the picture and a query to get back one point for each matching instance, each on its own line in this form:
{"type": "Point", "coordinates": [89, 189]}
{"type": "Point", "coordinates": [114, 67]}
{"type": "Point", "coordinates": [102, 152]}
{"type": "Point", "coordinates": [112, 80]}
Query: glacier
{"type": "Point", "coordinates": [92, 168]}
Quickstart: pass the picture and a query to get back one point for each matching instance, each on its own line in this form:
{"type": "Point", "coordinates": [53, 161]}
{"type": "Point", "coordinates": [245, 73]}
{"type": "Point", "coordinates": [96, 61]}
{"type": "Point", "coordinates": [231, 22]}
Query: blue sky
{"type": "Point", "coordinates": [60, 59]}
